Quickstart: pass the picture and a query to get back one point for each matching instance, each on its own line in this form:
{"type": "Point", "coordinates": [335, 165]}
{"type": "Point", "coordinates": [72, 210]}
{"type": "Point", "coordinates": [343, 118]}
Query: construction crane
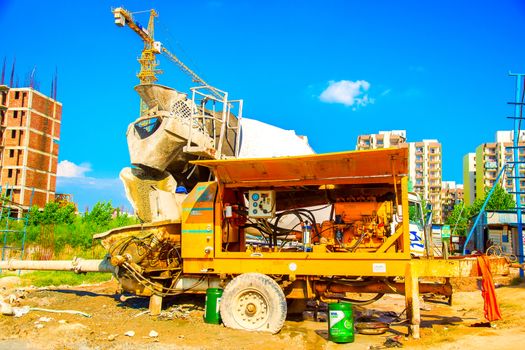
{"type": "Point", "coordinates": [148, 62]}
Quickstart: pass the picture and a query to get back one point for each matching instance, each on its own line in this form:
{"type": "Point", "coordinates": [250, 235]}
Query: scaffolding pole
{"type": "Point", "coordinates": [518, 107]}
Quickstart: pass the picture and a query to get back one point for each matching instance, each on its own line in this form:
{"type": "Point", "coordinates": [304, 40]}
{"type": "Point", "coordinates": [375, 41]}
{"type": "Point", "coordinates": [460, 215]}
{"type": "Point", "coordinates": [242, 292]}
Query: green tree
{"type": "Point", "coordinates": [458, 219]}
{"type": "Point", "coordinates": [52, 213]}
{"type": "Point", "coordinates": [100, 215]}
{"type": "Point", "coordinates": [461, 214]}
{"type": "Point", "coordinates": [500, 200]}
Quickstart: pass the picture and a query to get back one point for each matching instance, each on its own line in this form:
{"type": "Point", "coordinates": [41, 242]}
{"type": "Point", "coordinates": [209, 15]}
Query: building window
{"type": "Point", "coordinates": [10, 173]}
{"type": "Point", "coordinates": [17, 95]}
{"type": "Point", "coordinates": [15, 114]}
{"type": "Point", "coordinates": [13, 134]}
{"type": "Point", "coordinates": [11, 153]}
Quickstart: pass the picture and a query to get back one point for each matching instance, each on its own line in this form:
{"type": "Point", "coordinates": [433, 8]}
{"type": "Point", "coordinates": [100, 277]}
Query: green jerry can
{"type": "Point", "coordinates": [211, 307]}
{"type": "Point", "coordinates": [340, 323]}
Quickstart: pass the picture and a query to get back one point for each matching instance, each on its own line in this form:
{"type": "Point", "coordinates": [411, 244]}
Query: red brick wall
{"type": "Point", "coordinates": [10, 141]}
{"type": "Point", "coordinates": [53, 182]}
{"type": "Point", "coordinates": [37, 160]}
{"type": "Point", "coordinates": [37, 141]}
{"type": "Point", "coordinates": [16, 196]}
{"type": "Point", "coordinates": [58, 114]}
{"type": "Point", "coordinates": [16, 159]}
{"type": "Point", "coordinates": [22, 101]}
{"type": "Point", "coordinates": [42, 104]}
{"type": "Point", "coordinates": [35, 179]}
{"type": "Point", "coordinates": [55, 148]}
{"type": "Point", "coordinates": [20, 120]}
{"type": "Point", "coordinates": [40, 142]}
{"type": "Point", "coordinates": [54, 165]}
{"type": "Point", "coordinates": [39, 198]}
{"type": "Point", "coordinates": [56, 131]}
{"type": "Point", "coordinates": [14, 180]}
{"type": "Point", "coordinates": [46, 125]}
{"type": "Point", "coordinates": [41, 123]}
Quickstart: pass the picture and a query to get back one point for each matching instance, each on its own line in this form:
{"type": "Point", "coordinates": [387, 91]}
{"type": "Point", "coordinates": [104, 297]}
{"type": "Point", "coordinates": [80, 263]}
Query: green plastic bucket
{"type": "Point", "coordinates": [211, 306]}
{"type": "Point", "coordinates": [340, 323]}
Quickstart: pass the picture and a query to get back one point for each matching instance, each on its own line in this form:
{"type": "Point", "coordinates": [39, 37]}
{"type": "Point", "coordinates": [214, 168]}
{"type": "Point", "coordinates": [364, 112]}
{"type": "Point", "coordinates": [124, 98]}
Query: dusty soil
{"type": "Point", "coordinates": [181, 325]}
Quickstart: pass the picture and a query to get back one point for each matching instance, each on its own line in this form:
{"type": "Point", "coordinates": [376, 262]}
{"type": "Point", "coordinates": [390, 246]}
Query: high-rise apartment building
{"type": "Point", "coordinates": [29, 136]}
{"type": "Point", "coordinates": [490, 158]}
{"type": "Point", "coordinates": [424, 164]}
{"type": "Point", "coordinates": [384, 139]}
{"type": "Point", "coordinates": [451, 194]}
{"type": "Point", "coordinates": [469, 178]}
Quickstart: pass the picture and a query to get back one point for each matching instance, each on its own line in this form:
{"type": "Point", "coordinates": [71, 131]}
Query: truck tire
{"type": "Point", "coordinates": [253, 302]}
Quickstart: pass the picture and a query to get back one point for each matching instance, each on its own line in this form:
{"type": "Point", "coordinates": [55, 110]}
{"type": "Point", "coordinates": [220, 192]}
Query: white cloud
{"type": "Point", "coordinates": [70, 169]}
{"type": "Point", "coordinates": [87, 190]}
{"type": "Point", "coordinates": [348, 93]}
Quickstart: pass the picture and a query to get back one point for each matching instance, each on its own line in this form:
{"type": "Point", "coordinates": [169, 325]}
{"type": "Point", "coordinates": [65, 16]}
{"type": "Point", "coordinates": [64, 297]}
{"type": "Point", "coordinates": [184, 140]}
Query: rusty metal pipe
{"type": "Point", "coordinates": [77, 265]}
{"type": "Point", "coordinates": [381, 287]}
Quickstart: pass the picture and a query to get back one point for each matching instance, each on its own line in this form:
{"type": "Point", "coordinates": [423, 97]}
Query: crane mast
{"type": "Point", "coordinates": [148, 62]}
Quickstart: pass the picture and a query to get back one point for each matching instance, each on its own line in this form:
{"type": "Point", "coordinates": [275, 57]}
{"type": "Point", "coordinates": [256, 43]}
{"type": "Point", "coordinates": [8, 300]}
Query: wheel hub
{"type": "Point", "coordinates": [251, 311]}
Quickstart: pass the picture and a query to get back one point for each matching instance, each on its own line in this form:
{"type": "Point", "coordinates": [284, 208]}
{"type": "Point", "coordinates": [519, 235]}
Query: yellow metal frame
{"type": "Point", "coordinates": [202, 247]}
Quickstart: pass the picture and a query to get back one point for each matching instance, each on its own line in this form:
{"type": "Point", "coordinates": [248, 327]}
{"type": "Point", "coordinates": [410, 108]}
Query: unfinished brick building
{"type": "Point", "coordinates": [29, 135]}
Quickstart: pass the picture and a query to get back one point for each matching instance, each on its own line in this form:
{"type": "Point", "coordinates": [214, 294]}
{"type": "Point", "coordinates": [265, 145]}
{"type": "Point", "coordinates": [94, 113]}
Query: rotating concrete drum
{"type": "Point", "coordinates": [253, 302]}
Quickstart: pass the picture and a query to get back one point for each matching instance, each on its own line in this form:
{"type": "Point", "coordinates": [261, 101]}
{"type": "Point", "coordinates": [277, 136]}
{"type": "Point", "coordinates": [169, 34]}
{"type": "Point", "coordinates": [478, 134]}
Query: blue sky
{"type": "Point", "coordinates": [438, 69]}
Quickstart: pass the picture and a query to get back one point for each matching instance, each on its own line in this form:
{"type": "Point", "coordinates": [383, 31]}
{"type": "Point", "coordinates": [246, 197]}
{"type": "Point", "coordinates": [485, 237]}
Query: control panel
{"type": "Point", "coordinates": [261, 204]}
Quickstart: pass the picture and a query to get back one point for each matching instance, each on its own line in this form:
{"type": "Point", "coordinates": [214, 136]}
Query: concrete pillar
{"type": "Point", "coordinates": [155, 305]}
{"type": "Point", "coordinates": [412, 301]}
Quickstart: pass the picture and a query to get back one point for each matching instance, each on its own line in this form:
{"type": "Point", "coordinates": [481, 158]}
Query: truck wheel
{"type": "Point", "coordinates": [253, 302]}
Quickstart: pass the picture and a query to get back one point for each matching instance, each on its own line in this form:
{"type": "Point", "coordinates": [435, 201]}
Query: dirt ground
{"type": "Point", "coordinates": [181, 325]}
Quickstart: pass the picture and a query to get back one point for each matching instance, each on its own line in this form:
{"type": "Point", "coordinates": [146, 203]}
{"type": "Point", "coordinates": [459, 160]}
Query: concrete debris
{"type": "Point", "coordinates": [44, 319]}
{"type": "Point", "coordinates": [6, 309]}
{"type": "Point", "coordinates": [142, 313]}
{"type": "Point", "coordinates": [322, 316]}
{"type": "Point", "coordinates": [130, 334]}
{"type": "Point", "coordinates": [62, 321]}
{"type": "Point", "coordinates": [73, 312]}
{"type": "Point", "coordinates": [12, 299]}
{"type": "Point", "coordinates": [176, 312]}
{"type": "Point", "coordinates": [112, 337]}
{"type": "Point", "coordinates": [21, 311]}
{"type": "Point", "coordinates": [393, 342]}
{"type": "Point", "coordinates": [39, 325]}
{"type": "Point", "coordinates": [153, 334]}
{"type": "Point", "coordinates": [10, 282]}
